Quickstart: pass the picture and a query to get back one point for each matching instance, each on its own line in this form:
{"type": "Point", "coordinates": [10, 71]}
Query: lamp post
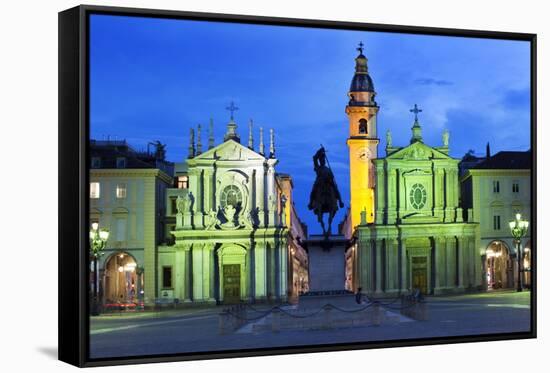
{"type": "Point", "coordinates": [519, 228]}
{"type": "Point", "coordinates": [98, 241]}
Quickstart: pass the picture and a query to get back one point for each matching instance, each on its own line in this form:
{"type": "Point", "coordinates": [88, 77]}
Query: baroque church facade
{"type": "Point", "coordinates": [236, 236]}
{"type": "Point", "coordinates": [404, 222]}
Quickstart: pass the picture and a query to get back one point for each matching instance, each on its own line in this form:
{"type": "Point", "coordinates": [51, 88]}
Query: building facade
{"type": "Point", "coordinates": [494, 190]}
{"type": "Point", "coordinates": [411, 232]}
{"type": "Point", "coordinates": [236, 237]}
{"type": "Point", "coordinates": [127, 192]}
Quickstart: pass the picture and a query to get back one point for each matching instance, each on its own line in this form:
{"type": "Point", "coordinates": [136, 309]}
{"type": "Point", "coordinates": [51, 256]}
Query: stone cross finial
{"type": "Point", "coordinates": [360, 48]}
{"type": "Point", "coordinates": [232, 108]}
{"type": "Point", "coordinates": [415, 110]}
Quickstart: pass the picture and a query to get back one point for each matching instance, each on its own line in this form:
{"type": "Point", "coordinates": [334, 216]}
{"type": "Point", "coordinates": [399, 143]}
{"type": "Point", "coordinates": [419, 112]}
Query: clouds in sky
{"type": "Point", "coordinates": [154, 79]}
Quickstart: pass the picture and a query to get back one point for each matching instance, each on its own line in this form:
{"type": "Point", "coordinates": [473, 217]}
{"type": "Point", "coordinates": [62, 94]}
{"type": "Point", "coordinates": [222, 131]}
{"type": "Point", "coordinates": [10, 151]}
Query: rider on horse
{"type": "Point", "coordinates": [324, 197]}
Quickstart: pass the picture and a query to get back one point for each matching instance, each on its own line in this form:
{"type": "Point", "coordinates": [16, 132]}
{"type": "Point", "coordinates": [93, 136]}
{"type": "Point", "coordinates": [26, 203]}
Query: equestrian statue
{"type": "Point", "coordinates": [325, 197]}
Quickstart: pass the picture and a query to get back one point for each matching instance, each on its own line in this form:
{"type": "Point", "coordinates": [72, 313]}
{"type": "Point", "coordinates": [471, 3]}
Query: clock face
{"type": "Point", "coordinates": [363, 154]}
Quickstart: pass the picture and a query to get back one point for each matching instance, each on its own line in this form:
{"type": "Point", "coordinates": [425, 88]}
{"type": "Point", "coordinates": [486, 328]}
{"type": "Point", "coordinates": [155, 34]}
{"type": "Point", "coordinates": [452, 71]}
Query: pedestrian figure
{"type": "Point", "coordinates": [358, 296]}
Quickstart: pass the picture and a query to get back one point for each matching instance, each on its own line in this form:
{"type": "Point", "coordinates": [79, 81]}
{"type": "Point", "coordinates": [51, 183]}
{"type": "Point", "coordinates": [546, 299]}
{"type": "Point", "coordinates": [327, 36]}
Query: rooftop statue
{"type": "Point", "coordinates": [324, 197]}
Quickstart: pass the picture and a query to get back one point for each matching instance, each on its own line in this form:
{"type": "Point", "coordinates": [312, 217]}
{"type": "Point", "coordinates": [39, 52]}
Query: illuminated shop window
{"type": "Point", "coordinates": [183, 182]}
{"type": "Point", "coordinates": [121, 190]}
{"type": "Point", "coordinates": [94, 190]}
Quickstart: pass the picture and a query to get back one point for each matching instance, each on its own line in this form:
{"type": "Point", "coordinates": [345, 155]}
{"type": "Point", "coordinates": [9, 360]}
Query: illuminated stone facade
{"type": "Point", "coordinates": [127, 193]}
{"type": "Point", "coordinates": [362, 142]}
{"type": "Point", "coordinates": [405, 222]}
{"type": "Point", "coordinates": [237, 237]}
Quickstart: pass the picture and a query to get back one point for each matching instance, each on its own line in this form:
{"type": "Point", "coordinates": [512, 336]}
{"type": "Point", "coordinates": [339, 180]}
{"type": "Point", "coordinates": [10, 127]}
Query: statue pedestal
{"type": "Point", "coordinates": [327, 263]}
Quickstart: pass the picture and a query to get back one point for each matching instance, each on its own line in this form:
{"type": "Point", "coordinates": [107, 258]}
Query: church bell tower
{"type": "Point", "coordinates": [362, 142]}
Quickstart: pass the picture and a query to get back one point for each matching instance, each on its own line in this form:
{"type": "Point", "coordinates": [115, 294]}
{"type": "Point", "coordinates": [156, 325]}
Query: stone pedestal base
{"type": "Point", "coordinates": [327, 263]}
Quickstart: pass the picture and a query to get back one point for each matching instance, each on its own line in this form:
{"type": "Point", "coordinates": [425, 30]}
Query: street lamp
{"type": "Point", "coordinates": [98, 241]}
{"type": "Point", "coordinates": [519, 228]}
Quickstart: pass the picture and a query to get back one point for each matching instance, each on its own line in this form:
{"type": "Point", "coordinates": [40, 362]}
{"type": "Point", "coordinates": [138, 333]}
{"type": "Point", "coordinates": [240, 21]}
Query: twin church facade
{"type": "Point", "coordinates": [233, 233]}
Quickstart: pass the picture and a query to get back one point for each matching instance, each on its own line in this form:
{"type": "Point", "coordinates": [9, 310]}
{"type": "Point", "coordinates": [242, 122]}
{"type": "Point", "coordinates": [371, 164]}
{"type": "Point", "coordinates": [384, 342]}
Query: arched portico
{"type": "Point", "coordinates": [500, 266]}
{"type": "Point", "coordinates": [122, 280]}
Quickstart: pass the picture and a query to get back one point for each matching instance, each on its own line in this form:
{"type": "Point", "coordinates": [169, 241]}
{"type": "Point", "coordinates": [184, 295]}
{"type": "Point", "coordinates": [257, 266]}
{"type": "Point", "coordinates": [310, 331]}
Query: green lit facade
{"type": "Point", "coordinates": [419, 239]}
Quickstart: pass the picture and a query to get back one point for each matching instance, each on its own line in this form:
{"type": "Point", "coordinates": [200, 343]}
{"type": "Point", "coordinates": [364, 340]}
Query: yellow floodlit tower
{"type": "Point", "coordinates": [362, 142]}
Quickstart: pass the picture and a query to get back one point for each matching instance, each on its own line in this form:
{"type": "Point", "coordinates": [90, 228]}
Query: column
{"type": "Point", "coordinates": [198, 272]}
{"type": "Point", "coordinates": [435, 265]}
{"type": "Point", "coordinates": [392, 193]}
{"type": "Point", "coordinates": [283, 268]}
{"type": "Point", "coordinates": [194, 181]}
{"type": "Point", "coordinates": [403, 266]}
{"type": "Point", "coordinates": [378, 261]}
{"type": "Point", "coordinates": [392, 250]}
{"type": "Point", "coordinates": [441, 263]}
{"type": "Point", "coordinates": [271, 196]}
{"type": "Point", "coordinates": [209, 203]}
{"type": "Point", "coordinates": [260, 195]}
{"type": "Point", "coordinates": [460, 250]}
{"type": "Point", "coordinates": [400, 202]}
{"type": "Point", "coordinates": [450, 281]}
{"type": "Point", "coordinates": [188, 273]}
{"type": "Point", "coordinates": [364, 261]}
{"type": "Point", "coordinates": [380, 192]}
{"type": "Point", "coordinates": [474, 268]}
{"type": "Point", "coordinates": [207, 250]}
{"type": "Point", "coordinates": [449, 202]}
{"type": "Point", "coordinates": [179, 273]}
{"type": "Point", "coordinates": [260, 265]}
{"type": "Point", "coordinates": [439, 189]}
{"type": "Point", "coordinates": [212, 272]}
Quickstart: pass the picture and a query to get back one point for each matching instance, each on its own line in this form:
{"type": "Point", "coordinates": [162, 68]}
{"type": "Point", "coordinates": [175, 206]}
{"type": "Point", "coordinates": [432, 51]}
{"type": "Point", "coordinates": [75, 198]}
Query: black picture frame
{"type": "Point", "coordinates": [74, 186]}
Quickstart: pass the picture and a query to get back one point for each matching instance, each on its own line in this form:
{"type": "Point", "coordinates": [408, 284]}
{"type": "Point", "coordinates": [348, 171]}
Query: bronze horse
{"type": "Point", "coordinates": [324, 197]}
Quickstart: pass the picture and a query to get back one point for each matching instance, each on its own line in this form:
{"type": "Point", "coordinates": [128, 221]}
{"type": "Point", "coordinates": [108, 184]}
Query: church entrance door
{"type": "Point", "coordinates": [419, 272]}
{"type": "Point", "coordinates": [231, 283]}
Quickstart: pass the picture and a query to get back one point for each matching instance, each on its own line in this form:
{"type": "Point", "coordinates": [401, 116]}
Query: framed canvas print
{"type": "Point", "coordinates": [238, 185]}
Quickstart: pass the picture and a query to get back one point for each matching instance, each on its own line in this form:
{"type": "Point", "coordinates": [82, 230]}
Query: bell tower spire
{"type": "Point", "coordinates": [362, 111]}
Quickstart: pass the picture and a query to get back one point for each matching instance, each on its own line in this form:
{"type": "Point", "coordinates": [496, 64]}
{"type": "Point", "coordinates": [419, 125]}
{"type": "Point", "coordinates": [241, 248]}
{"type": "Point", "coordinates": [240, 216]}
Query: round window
{"type": "Point", "coordinates": [418, 196]}
{"type": "Point", "coordinates": [231, 195]}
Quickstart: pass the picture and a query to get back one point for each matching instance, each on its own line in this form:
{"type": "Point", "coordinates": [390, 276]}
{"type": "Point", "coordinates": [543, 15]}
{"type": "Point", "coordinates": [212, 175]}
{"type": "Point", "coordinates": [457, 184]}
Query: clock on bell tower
{"type": "Point", "coordinates": [362, 142]}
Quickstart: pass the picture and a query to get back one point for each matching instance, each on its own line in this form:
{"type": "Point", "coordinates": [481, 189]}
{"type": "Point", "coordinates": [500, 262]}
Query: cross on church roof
{"type": "Point", "coordinates": [232, 108]}
{"type": "Point", "coordinates": [360, 48]}
{"type": "Point", "coordinates": [415, 110]}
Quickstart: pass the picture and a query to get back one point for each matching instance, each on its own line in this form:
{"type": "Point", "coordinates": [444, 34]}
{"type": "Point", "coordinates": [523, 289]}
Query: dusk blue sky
{"type": "Point", "coordinates": [153, 79]}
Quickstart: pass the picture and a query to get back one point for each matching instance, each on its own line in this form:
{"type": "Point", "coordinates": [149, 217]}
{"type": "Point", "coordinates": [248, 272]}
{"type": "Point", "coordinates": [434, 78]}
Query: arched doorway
{"type": "Point", "coordinates": [499, 266]}
{"type": "Point", "coordinates": [121, 280]}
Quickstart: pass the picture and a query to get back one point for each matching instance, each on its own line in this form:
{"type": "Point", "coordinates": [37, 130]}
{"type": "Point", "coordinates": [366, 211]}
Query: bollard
{"type": "Point", "coordinates": [327, 308]}
{"type": "Point", "coordinates": [377, 315]}
{"type": "Point", "coordinates": [223, 321]}
{"type": "Point", "coordinates": [275, 320]}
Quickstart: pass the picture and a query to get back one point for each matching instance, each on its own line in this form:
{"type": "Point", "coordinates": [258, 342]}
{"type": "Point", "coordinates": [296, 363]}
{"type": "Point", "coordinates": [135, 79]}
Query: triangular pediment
{"type": "Point", "coordinates": [230, 150]}
{"type": "Point", "coordinates": [418, 151]}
